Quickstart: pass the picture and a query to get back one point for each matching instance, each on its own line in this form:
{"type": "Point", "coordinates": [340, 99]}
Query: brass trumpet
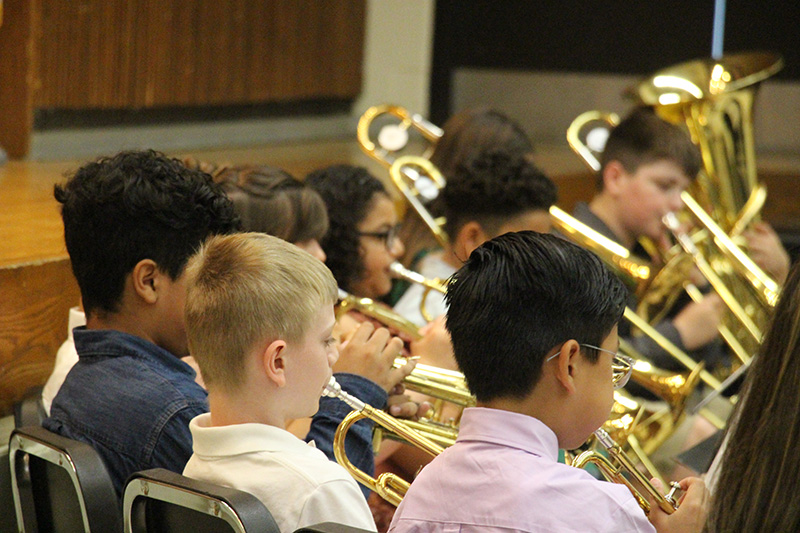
{"type": "Point", "coordinates": [389, 486]}
{"type": "Point", "coordinates": [615, 473]}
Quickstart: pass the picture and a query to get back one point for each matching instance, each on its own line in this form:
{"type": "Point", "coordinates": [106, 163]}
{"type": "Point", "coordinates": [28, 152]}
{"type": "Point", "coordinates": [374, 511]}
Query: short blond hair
{"type": "Point", "coordinates": [245, 289]}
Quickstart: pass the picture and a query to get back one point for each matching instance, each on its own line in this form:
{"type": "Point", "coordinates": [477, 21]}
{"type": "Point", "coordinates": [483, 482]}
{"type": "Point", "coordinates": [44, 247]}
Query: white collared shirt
{"type": "Point", "coordinates": [295, 481]}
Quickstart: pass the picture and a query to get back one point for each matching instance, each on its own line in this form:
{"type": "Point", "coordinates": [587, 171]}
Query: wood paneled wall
{"type": "Point", "coordinates": [131, 54]}
{"type": "Point", "coordinates": [34, 310]}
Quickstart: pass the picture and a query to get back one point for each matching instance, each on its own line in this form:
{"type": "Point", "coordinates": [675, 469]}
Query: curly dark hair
{"type": "Point", "coordinates": [136, 205]}
{"type": "Point", "coordinates": [493, 187]}
{"type": "Point", "coordinates": [348, 192]}
{"type": "Point", "coordinates": [272, 201]}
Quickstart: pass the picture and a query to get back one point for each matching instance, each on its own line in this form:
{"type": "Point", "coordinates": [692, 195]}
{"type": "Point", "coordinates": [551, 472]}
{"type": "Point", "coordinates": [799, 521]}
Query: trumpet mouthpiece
{"type": "Point", "coordinates": [332, 389]}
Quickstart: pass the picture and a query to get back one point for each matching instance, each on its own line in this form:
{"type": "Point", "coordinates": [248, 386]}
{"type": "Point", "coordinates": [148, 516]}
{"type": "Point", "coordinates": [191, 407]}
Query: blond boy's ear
{"type": "Point", "coordinates": [145, 280]}
{"type": "Point", "coordinates": [565, 365]}
{"type": "Point", "coordinates": [274, 362]}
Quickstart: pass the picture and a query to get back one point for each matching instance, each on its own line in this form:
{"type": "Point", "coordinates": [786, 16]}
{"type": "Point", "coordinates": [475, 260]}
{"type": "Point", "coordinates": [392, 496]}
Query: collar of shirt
{"type": "Point", "coordinates": [211, 441]}
{"type": "Point", "coordinates": [505, 428]}
{"type": "Point", "coordinates": [107, 343]}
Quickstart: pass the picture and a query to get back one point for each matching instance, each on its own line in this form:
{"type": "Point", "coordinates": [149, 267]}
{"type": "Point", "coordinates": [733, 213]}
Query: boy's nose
{"type": "Point", "coordinates": [398, 248]}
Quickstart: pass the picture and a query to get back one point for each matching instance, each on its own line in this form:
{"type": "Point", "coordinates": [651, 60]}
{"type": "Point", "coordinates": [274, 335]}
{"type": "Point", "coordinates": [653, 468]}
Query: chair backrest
{"type": "Point", "coordinates": [160, 501]}
{"type": "Point", "coordinates": [60, 484]}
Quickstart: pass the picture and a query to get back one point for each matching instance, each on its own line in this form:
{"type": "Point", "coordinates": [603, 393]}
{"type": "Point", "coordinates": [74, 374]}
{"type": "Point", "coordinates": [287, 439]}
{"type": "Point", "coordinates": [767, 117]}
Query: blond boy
{"type": "Point", "coordinates": [259, 315]}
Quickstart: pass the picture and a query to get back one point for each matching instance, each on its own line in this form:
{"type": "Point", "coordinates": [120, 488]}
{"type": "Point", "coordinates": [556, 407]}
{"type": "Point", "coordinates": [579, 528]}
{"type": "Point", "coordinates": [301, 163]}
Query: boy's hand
{"type": "Point", "coordinates": [692, 508]}
{"type": "Point", "coordinates": [402, 406]}
{"type": "Point", "coordinates": [370, 353]}
{"type": "Point", "coordinates": [435, 347]}
{"type": "Point", "coordinates": [697, 323]}
{"type": "Point", "coordinates": [767, 252]}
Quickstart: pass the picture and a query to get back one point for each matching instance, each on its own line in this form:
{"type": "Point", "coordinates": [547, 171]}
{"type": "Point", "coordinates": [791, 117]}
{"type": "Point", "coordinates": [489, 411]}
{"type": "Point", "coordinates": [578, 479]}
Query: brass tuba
{"type": "Point", "coordinates": [713, 100]}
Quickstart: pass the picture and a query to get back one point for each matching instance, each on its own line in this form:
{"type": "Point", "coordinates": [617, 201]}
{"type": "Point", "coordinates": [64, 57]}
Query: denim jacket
{"type": "Point", "coordinates": [132, 402]}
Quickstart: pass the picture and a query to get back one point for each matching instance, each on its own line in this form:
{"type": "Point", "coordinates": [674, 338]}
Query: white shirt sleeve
{"type": "Point", "coordinates": [337, 501]}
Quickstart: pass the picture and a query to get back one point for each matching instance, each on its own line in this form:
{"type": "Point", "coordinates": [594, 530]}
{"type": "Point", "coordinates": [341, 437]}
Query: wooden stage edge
{"type": "Point", "coordinates": [36, 283]}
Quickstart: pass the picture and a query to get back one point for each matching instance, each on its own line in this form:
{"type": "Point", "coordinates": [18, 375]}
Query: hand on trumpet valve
{"type": "Point", "coordinates": [435, 347]}
{"type": "Point", "coordinates": [401, 405]}
{"type": "Point", "coordinates": [370, 352]}
{"type": "Point", "coordinates": [692, 507]}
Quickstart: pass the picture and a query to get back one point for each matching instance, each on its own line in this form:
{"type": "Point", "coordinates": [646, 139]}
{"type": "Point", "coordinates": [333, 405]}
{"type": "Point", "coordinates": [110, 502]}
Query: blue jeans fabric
{"type": "Point", "coordinates": [132, 402]}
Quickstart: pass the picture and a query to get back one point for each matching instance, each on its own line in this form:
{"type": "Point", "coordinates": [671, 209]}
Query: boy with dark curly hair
{"type": "Point", "coordinates": [494, 193]}
{"type": "Point", "coordinates": [131, 222]}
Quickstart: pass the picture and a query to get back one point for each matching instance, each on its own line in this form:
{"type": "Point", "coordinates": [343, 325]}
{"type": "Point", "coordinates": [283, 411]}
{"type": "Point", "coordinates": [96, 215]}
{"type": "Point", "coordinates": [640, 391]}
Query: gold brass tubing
{"type": "Point", "coordinates": [400, 175]}
{"type": "Point", "coordinates": [633, 271]}
{"type": "Point", "coordinates": [614, 473]}
{"type": "Point", "coordinates": [372, 309]}
{"type": "Point", "coordinates": [726, 334]}
{"type": "Point", "coordinates": [765, 286]}
{"type": "Point", "coordinates": [574, 137]}
{"type": "Point", "coordinates": [673, 350]}
{"type": "Point", "coordinates": [390, 487]}
{"type": "Point", "coordinates": [750, 210]}
{"type": "Point", "coordinates": [713, 278]}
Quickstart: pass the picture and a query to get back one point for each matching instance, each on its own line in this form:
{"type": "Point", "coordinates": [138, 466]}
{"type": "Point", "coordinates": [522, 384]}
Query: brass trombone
{"type": "Point", "coordinates": [389, 486]}
{"type": "Point", "coordinates": [399, 271]}
{"type": "Point", "coordinates": [415, 177]}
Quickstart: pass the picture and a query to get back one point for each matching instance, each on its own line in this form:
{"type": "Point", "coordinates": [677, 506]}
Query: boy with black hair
{"type": "Point", "coordinates": [493, 193]}
{"type": "Point", "coordinates": [533, 320]}
{"type": "Point", "coordinates": [131, 222]}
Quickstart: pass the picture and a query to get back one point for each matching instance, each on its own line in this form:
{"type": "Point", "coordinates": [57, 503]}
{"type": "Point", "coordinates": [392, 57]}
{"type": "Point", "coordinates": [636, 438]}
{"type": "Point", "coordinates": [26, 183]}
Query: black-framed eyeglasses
{"type": "Point", "coordinates": [388, 237]}
{"type": "Point", "coordinates": [621, 365]}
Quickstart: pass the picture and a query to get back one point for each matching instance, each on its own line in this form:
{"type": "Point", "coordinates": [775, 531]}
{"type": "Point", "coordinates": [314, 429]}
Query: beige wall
{"type": "Point", "coordinates": [398, 47]}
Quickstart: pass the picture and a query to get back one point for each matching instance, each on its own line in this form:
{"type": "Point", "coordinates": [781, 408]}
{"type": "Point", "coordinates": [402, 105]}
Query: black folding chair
{"type": "Point", "coordinates": [60, 484]}
{"type": "Point", "coordinates": [160, 501]}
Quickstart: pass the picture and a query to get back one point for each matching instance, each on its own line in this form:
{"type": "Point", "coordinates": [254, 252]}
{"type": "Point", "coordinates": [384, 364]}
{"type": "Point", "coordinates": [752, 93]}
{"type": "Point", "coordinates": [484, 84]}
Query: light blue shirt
{"type": "Point", "coordinates": [503, 475]}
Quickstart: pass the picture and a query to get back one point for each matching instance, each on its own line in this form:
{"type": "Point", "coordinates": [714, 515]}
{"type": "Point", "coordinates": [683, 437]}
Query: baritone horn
{"type": "Point", "coordinates": [389, 486]}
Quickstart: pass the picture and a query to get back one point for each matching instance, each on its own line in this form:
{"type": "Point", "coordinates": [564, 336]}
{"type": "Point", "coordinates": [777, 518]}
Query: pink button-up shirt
{"type": "Point", "coordinates": [503, 475]}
